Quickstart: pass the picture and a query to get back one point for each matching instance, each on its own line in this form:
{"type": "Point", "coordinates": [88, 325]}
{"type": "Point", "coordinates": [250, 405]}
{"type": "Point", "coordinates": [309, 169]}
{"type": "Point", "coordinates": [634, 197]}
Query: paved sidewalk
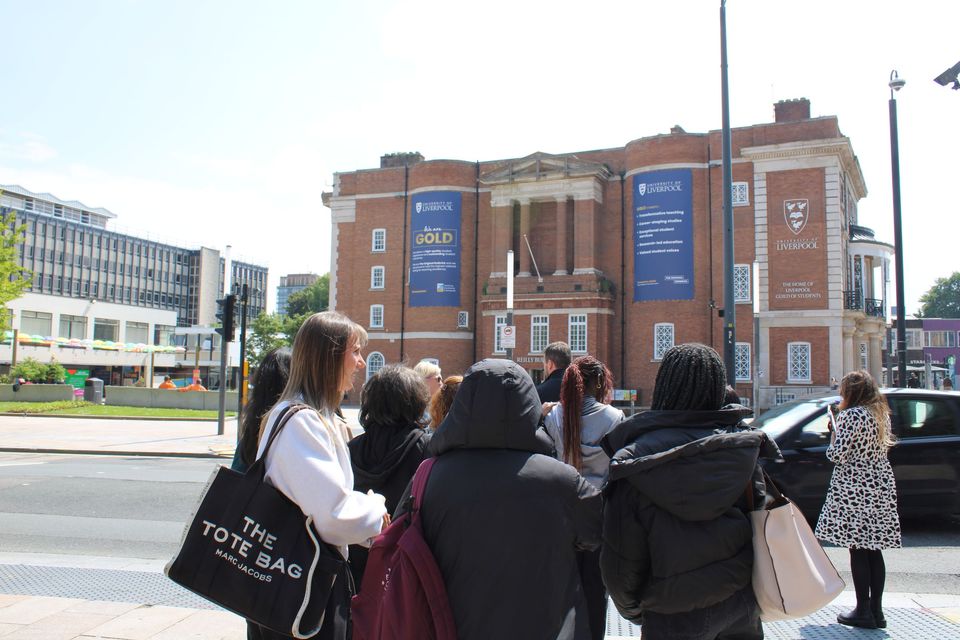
{"type": "Point", "coordinates": [45, 596]}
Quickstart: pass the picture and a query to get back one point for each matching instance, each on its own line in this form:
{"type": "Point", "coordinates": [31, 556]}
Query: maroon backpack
{"type": "Point", "coordinates": [402, 595]}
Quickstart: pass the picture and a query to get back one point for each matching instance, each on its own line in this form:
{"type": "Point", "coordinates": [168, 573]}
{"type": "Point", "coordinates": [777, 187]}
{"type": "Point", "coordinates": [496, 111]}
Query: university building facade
{"type": "Point", "coordinates": [619, 253]}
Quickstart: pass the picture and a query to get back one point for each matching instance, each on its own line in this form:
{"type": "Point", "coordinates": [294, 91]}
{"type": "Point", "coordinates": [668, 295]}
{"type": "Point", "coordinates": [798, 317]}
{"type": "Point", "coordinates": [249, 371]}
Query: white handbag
{"type": "Point", "coordinates": [792, 574]}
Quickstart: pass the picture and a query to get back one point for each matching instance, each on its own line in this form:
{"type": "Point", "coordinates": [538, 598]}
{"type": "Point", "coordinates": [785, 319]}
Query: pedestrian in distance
{"type": "Point", "coordinates": [433, 378]}
{"type": "Point", "coordinates": [678, 542]}
{"type": "Point", "coordinates": [269, 381]}
{"type": "Point", "coordinates": [947, 384]}
{"type": "Point", "coordinates": [503, 518]}
{"type": "Point", "coordinates": [442, 400]}
{"type": "Point", "coordinates": [577, 425]}
{"type": "Point", "coordinates": [393, 443]}
{"type": "Point", "coordinates": [309, 461]}
{"type": "Point", "coordinates": [860, 510]}
{"type": "Point", "coordinates": [196, 385]}
{"type": "Point", "coordinates": [556, 359]}
{"type": "Point", "coordinates": [167, 383]}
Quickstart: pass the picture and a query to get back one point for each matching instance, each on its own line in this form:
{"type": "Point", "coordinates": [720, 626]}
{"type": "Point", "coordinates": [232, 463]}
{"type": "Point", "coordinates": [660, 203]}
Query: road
{"type": "Point", "coordinates": [136, 507]}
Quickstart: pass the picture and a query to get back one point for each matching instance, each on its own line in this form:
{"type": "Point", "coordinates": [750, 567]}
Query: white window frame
{"type": "Point", "coordinates": [577, 324]}
{"type": "Point", "coordinates": [539, 324]}
{"type": "Point", "coordinates": [372, 367]}
{"type": "Point", "coordinates": [742, 362]}
{"type": "Point", "coordinates": [740, 194]}
{"type": "Point", "coordinates": [741, 283]}
{"type": "Point", "coordinates": [374, 310]}
{"type": "Point", "coordinates": [660, 331]}
{"type": "Point", "coordinates": [794, 349]}
{"type": "Point", "coordinates": [498, 321]}
{"type": "Point", "coordinates": [378, 241]}
{"type": "Point", "coordinates": [864, 356]}
{"type": "Point", "coordinates": [374, 272]}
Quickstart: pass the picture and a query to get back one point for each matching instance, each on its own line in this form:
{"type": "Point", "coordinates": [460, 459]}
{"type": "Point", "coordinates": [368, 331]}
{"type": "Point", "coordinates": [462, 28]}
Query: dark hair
{"type": "Point", "coordinates": [268, 383]}
{"type": "Point", "coordinates": [442, 400]}
{"type": "Point", "coordinates": [730, 396]}
{"type": "Point", "coordinates": [395, 396]}
{"type": "Point", "coordinates": [558, 353]}
{"type": "Point", "coordinates": [585, 376]}
{"type": "Point", "coordinates": [691, 377]}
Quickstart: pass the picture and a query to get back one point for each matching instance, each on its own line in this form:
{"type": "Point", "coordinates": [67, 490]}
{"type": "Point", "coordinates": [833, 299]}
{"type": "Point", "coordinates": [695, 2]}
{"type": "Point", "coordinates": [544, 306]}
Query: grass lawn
{"type": "Point", "coordinates": [81, 408]}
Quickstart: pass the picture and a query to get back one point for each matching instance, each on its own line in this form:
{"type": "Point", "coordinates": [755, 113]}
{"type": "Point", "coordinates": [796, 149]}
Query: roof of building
{"type": "Point", "coordinates": [49, 197]}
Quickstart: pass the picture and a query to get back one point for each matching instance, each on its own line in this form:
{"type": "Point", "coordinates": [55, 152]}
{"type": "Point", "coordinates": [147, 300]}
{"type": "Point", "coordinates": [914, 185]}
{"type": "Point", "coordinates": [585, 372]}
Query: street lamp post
{"type": "Point", "coordinates": [242, 386]}
{"type": "Point", "coordinates": [896, 83]}
{"type": "Point", "coordinates": [510, 298]}
{"type": "Point", "coordinates": [729, 305]}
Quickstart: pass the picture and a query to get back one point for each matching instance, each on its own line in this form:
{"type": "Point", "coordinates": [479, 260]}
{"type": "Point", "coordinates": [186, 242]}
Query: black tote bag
{"type": "Point", "coordinates": [251, 550]}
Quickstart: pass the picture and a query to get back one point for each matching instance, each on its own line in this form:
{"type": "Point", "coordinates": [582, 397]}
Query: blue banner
{"type": "Point", "coordinates": [663, 235]}
{"type": "Point", "coordinates": [435, 249]}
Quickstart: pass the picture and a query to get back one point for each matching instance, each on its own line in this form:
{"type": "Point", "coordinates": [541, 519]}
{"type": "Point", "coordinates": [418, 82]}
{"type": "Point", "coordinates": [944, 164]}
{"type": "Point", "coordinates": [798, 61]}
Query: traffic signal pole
{"type": "Point", "coordinates": [225, 315]}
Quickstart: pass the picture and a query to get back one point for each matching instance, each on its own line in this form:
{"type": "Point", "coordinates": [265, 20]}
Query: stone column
{"type": "Point", "coordinates": [502, 239]}
{"type": "Point", "coordinates": [875, 357]}
{"type": "Point", "coordinates": [561, 236]}
{"type": "Point", "coordinates": [524, 231]}
{"type": "Point", "coordinates": [848, 352]}
{"type": "Point", "coordinates": [584, 230]}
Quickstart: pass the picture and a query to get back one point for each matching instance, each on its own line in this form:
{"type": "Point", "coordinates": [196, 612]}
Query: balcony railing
{"type": "Point", "coordinates": [854, 301]}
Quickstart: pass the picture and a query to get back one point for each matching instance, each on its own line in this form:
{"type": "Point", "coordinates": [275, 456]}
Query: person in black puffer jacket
{"type": "Point", "coordinates": [677, 553]}
{"type": "Point", "coordinates": [386, 455]}
{"type": "Point", "coordinates": [503, 518]}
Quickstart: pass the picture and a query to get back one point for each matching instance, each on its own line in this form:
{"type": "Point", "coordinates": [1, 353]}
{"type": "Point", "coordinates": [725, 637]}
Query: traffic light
{"type": "Point", "coordinates": [225, 314]}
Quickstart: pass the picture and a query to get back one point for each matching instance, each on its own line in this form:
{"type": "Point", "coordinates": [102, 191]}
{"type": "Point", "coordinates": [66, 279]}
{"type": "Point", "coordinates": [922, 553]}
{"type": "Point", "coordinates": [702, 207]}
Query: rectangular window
{"type": "Point", "coordinates": [36, 323]}
{"type": "Point", "coordinates": [498, 323]}
{"type": "Point", "coordinates": [539, 333]}
{"type": "Point", "coordinates": [939, 338]}
{"type": "Point", "coordinates": [379, 244]}
{"type": "Point", "coordinates": [106, 329]}
{"type": "Point", "coordinates": [798, 362]}
{"type": "Point", "coordinates": [741, 361]}
{"type": "Point", "coordinates": [73, 326]}
{"type": "Point", "coordinates": [577, 333]}
{"type": "Point", "coordinates": [864, 358]}
{"type": "Point", "coordinates": [740, 194]}
{"type": "Point", "coordinates": [914, 338]}
{"type": "Point", "coordinates": [137, 332]}
{"type": "Point", "coordinates": [376, 316]}
{"type": "Point", "coordinates": [741, 283]}
{"type": "Point", "coordinates": [663, 339]}
{"type": "Point", "coordinates": [376, 277]}
{"type": "Point", "coordinates": [163, 335]}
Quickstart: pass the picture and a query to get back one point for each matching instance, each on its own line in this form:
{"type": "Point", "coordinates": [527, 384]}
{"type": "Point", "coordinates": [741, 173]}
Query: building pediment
{"type": "Point", "coordinates": [544, 167]}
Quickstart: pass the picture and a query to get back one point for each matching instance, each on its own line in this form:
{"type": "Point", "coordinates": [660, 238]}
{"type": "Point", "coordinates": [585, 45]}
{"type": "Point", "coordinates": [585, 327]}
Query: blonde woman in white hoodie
{"type": "Point", "coordinates": [309, 462]}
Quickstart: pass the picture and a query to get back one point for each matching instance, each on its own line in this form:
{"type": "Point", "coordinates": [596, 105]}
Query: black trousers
{"type": "Point", "coordinates": [594, 591]}
{"type": "Point", "coordinates": [736, 618]}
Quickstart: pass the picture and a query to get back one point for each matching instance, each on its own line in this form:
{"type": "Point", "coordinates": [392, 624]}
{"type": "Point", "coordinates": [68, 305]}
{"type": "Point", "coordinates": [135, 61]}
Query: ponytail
{"type": "Point", "coordinates": [585, 375]}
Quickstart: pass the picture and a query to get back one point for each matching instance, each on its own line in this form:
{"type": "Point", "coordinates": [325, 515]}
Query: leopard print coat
{"type": "Point", "coordinates": [860, 510]}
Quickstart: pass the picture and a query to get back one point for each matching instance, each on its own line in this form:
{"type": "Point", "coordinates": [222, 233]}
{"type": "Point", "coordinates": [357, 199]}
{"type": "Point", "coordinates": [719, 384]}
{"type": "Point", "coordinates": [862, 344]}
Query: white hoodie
{"type": "Point", "coordinates": [309, 463]}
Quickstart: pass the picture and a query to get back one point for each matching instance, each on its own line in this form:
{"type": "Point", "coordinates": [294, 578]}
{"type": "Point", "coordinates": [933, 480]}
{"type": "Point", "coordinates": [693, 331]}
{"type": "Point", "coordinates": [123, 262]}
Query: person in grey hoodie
{"type": "Point", "coordinates": [576, 426]}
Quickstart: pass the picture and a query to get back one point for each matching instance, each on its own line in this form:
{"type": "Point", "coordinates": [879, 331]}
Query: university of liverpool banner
{"type": "Point", "coordinates": [435, 249]}
{"type": "Point", "coordinates": [663, 235]}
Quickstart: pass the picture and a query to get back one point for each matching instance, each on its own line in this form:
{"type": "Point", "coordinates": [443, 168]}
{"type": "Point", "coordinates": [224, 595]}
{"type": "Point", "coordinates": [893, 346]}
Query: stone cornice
{"type": "Point", "coordinates": [544, 166]}
{"type": "Point", "coordinates": [839, 147]}
{"type": "Point", "coordinates": [587, 188]}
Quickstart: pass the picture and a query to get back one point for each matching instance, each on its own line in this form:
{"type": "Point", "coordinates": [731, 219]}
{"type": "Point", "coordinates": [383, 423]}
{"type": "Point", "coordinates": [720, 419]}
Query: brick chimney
{"type": "Point", "coordinates": [792, 110]}
{"type": "Point", "coordinates": [400, 159]}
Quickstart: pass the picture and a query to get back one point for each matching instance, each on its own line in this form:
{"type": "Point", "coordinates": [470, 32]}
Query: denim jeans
{"type": "Point", "coordinates": [736, 618]}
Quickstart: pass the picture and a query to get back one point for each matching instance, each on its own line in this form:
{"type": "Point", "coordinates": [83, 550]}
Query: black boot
{"type": "Point", "coordinates": [859, 617]}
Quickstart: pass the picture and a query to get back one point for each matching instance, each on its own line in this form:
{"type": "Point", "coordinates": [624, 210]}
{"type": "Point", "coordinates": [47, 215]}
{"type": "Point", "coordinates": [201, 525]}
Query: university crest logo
{"type": "Point", "coordinates": [795, 214]}
{"type": "Point", "coordinates": [642, 188]}
{"type": "Point", "coordinates": [419, 206]}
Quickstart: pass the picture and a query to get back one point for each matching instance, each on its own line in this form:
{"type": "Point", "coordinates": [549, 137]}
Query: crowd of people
{"type": "Point", "coordinates": [545, 500]}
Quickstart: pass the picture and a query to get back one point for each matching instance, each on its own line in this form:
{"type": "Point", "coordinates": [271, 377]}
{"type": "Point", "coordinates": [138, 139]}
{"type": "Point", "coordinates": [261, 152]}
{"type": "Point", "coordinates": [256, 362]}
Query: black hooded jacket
{"type": "Point", "coordinates": [384, 459]}
{"type": "Point", "coordinates": [503, 518]}
{"type": "Point", "coordinates": [676, 535]}
{"type": "Point", "coordinates": [549, 389]}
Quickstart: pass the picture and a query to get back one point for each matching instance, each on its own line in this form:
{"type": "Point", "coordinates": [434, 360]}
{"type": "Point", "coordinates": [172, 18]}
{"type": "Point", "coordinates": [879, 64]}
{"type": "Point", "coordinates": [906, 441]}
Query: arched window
{"type": "Point", "coordinates": [375, 362]}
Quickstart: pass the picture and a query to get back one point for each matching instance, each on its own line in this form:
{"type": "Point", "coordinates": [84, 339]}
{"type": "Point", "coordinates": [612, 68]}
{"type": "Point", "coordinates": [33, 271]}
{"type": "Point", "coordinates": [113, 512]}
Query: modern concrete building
{"type": "Point", "coordinates": [619, 253]}
{"type": "Point", "coordinates": [291, 284]}
{"type": "Point", "coordinates": [91, 283]}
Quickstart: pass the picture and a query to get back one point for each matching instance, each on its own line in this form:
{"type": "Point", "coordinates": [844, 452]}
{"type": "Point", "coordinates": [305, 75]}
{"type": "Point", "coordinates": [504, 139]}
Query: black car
{"type": "Point", "coordinates": [925, 460]}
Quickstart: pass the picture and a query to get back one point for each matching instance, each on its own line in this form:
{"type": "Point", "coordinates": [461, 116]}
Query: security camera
{"type": "Point", "coordinates": [950, 76]}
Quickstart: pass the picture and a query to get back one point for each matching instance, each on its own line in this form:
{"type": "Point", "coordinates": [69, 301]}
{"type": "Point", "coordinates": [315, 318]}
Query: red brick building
{"type": "Point", "coordinates": [619, 253]}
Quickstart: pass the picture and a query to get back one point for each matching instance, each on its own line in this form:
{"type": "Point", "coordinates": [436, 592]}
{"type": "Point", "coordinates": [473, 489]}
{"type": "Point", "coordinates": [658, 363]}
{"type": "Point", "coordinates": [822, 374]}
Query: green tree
{"type": "Point", "coordinates": [314, 298]}
{"type": "Point", "coordinates": [943, 298]}
{"type": "Point", "coordinates": [266, 333]}
{"type": "Point", "coordinates": [13, 279]}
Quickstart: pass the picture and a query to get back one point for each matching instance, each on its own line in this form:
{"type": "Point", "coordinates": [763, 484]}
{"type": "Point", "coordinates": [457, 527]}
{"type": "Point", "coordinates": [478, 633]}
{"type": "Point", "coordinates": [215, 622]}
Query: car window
{"type": "Point", "coordinates": [816, 432]}
{"type": "Point", "coordinates": [926, 417]}
{"type": "Point", "coordinates": [778, 420]}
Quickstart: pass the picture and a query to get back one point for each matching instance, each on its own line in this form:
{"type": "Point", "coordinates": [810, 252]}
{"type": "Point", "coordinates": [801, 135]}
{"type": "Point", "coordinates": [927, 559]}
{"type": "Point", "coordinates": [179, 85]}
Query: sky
{"type": "Point", "coordinates": [215, 122]}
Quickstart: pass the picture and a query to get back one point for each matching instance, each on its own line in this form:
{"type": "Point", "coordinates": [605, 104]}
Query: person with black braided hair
{"type": "Point", "coordinates": [576, 426]}
{"type": "Point", "coordinates": [677, 551]}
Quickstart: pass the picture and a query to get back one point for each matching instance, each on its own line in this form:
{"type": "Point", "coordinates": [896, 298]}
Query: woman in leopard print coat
{"type": "Point", "coordinates": [860, 511]}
